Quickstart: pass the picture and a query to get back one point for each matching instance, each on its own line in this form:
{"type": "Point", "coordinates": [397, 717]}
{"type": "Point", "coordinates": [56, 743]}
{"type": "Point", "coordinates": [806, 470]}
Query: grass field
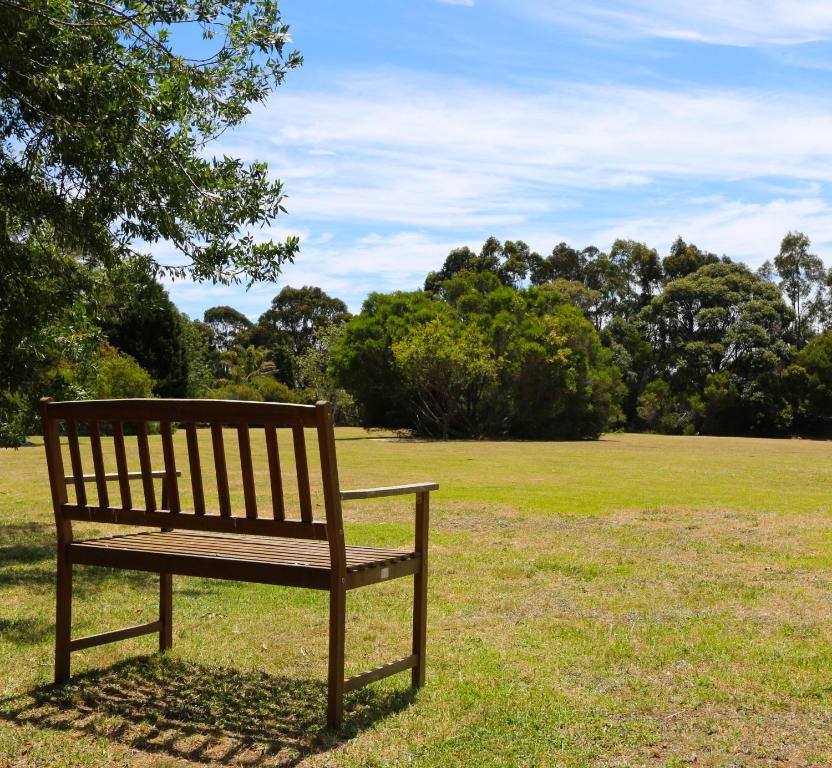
{"type": "Point", "coordinates": [636, 601]}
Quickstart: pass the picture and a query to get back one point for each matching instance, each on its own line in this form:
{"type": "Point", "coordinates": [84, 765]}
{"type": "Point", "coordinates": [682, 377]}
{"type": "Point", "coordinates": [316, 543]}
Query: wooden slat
{"type": "Point", "coordinates": [275, 476]}
{"type": "Point", "coordinates": [363, 577]}
{"type": "Point", "coordinates": [144, 461]}
{"type": "Point", "coordinates": [116, 634]}
{"type": "Point", "coordinates": [247, 470]}
{"type": "Point", "coordinates": [385, 670]}
{"type": "Point", "coordinates": [75, 460]}
{"type": "Point", "coordinates": [174, 410]}
{"type": "Point", "coordinates": [123, 473]}
{"type": "Point", "coordinates": [252, 548]}
{"type": "Point", "coordinates": [390, 490]}
{"type": "Point", "coordinates": [196, 469]}
{"type": "Point", "coordinates": [215, 523]}
{"type": "Point", "coordinates": [210, 567]}
{"type": "Point", "coordinates": [111, 476]}
{"type": "Point", "coordinates": [98, 465]}
{"type": "Point", "coordinates": [221, 470]}
{"type": "Point", "coordinates": [302, 468]}
{"type": "Point", "coordinates": [171, 485]}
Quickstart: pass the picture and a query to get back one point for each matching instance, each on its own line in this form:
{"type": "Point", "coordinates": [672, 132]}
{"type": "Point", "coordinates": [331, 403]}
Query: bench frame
{"type": "Point", "coordinates": [337, 578]}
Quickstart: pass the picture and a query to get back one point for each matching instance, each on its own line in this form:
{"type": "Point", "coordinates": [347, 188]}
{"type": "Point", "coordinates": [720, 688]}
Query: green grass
{"type": "Point", "coordinates": [637, 601]}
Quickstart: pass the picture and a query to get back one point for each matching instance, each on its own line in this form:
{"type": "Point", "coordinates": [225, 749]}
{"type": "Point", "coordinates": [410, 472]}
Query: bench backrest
{"type": "Point", "coordinates": [124, 418]}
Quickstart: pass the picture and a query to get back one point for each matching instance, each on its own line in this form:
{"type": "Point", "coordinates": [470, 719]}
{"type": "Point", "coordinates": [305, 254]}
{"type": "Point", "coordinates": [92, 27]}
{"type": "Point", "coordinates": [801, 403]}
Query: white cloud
{"type": "Point", "coordinates": [749, 232]}
{"type": "Point", "coordinates": [467, 3]}
{"type": "Point", "coordinates": [387, 172]}
{"type": "Point", "coordinates": [431, 152]}
{"type": "Point", "coordinates": [723, 22]}
{"type": "Point", "coordinates": [347, 269]}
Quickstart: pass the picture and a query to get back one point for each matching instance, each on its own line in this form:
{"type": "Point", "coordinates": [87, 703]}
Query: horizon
{"type": "Point", "coordinates": [439, 124]}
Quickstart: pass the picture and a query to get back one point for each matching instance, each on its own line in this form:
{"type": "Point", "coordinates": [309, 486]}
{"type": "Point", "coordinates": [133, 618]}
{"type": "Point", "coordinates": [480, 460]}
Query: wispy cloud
{"type": "Point", "coordinates": [347, 268]}
{"type": "Point", "coordinates": [749, 232]}
{"type": "Point", "coordinates": [735, 22]}
{"type": "Point", "coordinates": [415, 151]}
{"type": "Point", "coordinates": [386, 172]}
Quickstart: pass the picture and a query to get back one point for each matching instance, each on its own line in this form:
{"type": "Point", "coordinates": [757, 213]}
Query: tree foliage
{"type": "Point", "coordinates": [105, 130]}
{"type": "Point", "coordinates": [226, 325]}
{"type": "Point", "coordinates": [479, 357]}
{"type": "Point", "coordinates": [287, 329]}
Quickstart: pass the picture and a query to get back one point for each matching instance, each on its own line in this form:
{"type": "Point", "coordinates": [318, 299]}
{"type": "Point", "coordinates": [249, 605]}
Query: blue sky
{"type": "Point", "coordinates": [416, 126]}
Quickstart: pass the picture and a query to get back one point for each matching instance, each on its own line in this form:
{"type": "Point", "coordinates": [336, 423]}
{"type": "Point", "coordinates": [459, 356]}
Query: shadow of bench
{"type": "Point", "coordinates": [166, 706]}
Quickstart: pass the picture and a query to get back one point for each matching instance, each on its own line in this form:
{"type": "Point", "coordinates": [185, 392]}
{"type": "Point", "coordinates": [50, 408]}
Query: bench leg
{"type": "Point", "coordinates": [420, 591]}
{"type": "Point", "coordinates": [63, 618]}
{"type": "Point", "coordinates": [420, 606]}
{"type": "Point", "coordinates": [165, 611]}
{"type": "Point", "coordinates": [337, 637]}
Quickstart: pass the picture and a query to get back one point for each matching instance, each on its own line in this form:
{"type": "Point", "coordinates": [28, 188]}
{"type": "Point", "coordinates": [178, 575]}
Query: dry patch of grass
{"type": "Point", "coordinates": [640, 601]}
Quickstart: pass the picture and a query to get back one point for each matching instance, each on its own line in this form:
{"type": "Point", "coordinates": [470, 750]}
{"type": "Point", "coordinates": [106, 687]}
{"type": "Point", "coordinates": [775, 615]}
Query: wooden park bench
{"type": "Point", "coordinates": [268, 546]}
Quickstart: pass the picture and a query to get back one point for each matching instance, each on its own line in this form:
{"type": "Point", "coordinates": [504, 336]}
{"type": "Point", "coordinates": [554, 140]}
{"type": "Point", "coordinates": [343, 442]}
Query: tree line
{"type": "Point", "coordinates": [500, 342]}
{"type": "Point", "coordinates": [506, 342]}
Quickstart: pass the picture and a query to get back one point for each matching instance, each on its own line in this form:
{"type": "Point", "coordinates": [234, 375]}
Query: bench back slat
{"type": "Point", "coordinates": [221, 469]}
{"type": "Point", "coordinates": [249, 491]}
{"type": "Point", "coordinates": [121, 466]}
{"type": "Point", "coordinates": [302, 467]}
{"type": "Point", "coordinates": [232, 513]}
{"type": "Point", "coordinates": [75, 461]}
{"type": "Point", "coordinates": [146, 467]}
{"type": "Point", "coordinates": [169, 457]}
{"type": "Point", "coordinates": [196, 468]}
{"type": "Point", "coordinates": [275, 476]}
{"type": "Point", "coordinates": [98, 465]}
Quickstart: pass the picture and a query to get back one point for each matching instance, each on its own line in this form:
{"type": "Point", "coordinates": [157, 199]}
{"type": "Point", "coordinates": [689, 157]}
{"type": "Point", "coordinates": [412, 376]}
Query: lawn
{"type": "Point", "coordinates": [635, 601]}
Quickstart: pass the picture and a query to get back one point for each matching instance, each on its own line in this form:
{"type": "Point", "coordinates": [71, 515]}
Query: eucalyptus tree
{"type": "Point", "coordinates": [802, 280]}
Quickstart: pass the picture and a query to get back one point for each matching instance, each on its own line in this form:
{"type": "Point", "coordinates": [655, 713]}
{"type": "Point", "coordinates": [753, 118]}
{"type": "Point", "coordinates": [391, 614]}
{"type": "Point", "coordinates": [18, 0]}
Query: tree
{"type": "Point", "coordinates": [199, 357]}
{"type": "Point", "coordinates": [479, 358]}
{"type": "Point", "coordinates": [140, 319]}
{"type": "Point", "coordinates": [119, 375]}
{"type": "Point", "coordinates": [247, 363]}
{"type": "Point", "coordinates": [288, 327]}
{"type": "Point", "coordinates": [515, 266]}
{"type": "Point", "coordinates": [641, 268]}
{"type": "Point", "coordinates": [315, 368]}
{"type": "Point", "coordinates": [105, 137]}
{"type": "Point", "coordinates": [685, 259]}
{"type": "Point", "coordinates": [815, 401]}
{"type": "Point", "coordinates": [226, 324]}
{"type": "Point", "coordinates": [362, 358]}
{"type": "Point", "coordinates": [719, 334]}
{"type": "Point", "coordinates": [105, 130]}
{"type": "Point", "coordinates": [447, 368]}
{"type": "Point", "coordinates": [801, 273]}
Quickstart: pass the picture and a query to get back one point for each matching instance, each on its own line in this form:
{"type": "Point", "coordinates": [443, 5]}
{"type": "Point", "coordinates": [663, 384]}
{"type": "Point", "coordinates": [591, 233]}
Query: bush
{"type": "Point", "coordinates": [258, 389]}
{"type": "Point", "coordinates": [119, 375]}
{"type": "Point", "coordinates": [17, 420]}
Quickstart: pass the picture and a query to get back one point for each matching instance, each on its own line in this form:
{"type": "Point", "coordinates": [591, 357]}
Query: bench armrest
{"type": "Point", "coordinates": [391, 490]}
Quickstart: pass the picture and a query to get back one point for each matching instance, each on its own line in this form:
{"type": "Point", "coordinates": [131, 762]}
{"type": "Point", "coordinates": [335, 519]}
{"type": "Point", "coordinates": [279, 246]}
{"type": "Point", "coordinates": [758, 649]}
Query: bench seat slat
{"type": "Point", "coordinates": [269, 560]}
